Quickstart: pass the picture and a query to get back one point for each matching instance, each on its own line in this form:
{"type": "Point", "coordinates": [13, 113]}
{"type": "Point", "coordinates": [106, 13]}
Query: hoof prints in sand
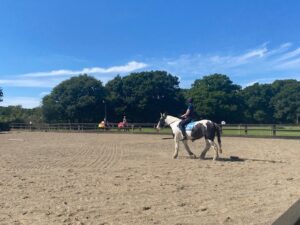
{"type": "Point", "coordinates": [95, 157]}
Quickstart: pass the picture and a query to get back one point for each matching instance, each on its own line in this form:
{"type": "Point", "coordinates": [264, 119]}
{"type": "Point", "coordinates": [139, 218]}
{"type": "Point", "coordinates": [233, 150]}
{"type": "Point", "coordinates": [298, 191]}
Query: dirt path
{"type": "Point", "coordinates": [93, 179]}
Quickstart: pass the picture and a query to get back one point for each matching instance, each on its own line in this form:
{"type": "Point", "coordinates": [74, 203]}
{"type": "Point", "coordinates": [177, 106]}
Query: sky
{"type": "Point", "coordinates": [43, 43]}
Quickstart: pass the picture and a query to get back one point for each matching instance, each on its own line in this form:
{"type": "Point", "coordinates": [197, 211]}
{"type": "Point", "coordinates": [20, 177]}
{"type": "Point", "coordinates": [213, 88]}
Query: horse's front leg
{"type": "Point", "coordinates": [187, 148]}
{"type": "Point", "coordinates": [176, 148]}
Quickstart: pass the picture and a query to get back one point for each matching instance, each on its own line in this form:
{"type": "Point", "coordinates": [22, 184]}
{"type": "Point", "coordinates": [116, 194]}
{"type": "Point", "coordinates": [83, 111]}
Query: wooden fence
{"type": "Point", "coordinates": [250, 130]}
{"type": "Point", "coordinates": [83, 127]}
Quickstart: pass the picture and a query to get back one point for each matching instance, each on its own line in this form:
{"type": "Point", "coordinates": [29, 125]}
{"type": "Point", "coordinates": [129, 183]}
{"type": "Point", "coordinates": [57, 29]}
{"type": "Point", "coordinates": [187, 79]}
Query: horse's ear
{"type": "Point", "coordinates": [161, 114]}
{"type": "Point", "coordinates": [164, 114]}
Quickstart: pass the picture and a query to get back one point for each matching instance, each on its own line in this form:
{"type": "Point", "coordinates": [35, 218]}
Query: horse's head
{"type": "Point", "coordinates": [161, 123]}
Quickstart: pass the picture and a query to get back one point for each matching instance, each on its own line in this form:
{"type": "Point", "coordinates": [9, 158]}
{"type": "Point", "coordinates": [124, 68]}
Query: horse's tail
{"type": "Point", "coordinates": [218, 132]}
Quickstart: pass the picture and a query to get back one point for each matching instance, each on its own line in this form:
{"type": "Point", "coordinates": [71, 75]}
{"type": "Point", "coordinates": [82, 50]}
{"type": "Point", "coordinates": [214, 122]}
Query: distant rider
{"type": "Point", "coordinates": [186, 118]}
{"type": "Point", "coordinates": [124, 121]}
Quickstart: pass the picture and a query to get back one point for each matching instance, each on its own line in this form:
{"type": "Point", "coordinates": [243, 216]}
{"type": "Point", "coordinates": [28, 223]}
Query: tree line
{"type": "Point", "coordinates": [143, 96]}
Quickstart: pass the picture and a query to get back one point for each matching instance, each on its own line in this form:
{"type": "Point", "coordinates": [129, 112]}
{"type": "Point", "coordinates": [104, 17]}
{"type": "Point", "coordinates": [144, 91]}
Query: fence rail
{"type": "Point", "coordinates": [264, 130]}
{"type": "Point", "coordinates": [83, 127]}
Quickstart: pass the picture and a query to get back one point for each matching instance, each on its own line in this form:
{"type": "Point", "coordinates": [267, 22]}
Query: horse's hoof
{"type": "Point", "coordinates": [175, 157]}
{"type": "Point", "coordinates": [193, 156]}
{"type": "Point", "coordinates": [201, 158]}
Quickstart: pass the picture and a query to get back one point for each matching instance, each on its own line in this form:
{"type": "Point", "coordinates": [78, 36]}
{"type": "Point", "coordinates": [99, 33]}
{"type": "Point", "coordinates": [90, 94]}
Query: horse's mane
{"type": "Point", "coordinates": [172, 119]}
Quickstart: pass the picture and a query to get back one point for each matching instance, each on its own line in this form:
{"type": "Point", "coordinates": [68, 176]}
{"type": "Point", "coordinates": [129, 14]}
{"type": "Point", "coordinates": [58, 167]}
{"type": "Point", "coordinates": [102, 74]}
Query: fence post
{"type": "Point", "coordinates": [246, 129]}
{"type": "Point", "coordinates": [274, 129]}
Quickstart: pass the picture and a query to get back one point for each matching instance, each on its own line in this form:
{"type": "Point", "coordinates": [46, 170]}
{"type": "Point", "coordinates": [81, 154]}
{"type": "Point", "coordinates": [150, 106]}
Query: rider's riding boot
{"type": "Point", "coordinates": [183, 135]}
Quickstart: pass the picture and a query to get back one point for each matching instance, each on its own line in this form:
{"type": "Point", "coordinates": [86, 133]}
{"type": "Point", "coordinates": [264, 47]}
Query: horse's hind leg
{"type": "Point", "coordinates": [220, 148]}
{"type": "Point", "coordinates": [216, 156]}
{"type": "Point", "coordinates": [206, 148]}
{"type": "Point", "coordinates": [187, 148]}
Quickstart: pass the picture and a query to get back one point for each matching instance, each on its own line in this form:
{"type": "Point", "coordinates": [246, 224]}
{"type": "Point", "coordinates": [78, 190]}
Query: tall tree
{"type": "Point", "coordinates": [1, 95]}
{"type": "Point", "coordinates": [286, 101]}
{"type": "Point", "coordinates": [217, 98]}
{"type": "Point", "coordinates": [78, 99]}
{"type": "Point", "coordinates": [257, 99]}
{"type": "Point", "coordinates": [142, 96]}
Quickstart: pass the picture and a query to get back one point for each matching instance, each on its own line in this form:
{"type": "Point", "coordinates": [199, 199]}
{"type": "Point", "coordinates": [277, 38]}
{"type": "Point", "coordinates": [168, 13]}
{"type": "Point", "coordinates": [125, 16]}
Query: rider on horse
{"type": "Point", "coordinates": [186, 118]}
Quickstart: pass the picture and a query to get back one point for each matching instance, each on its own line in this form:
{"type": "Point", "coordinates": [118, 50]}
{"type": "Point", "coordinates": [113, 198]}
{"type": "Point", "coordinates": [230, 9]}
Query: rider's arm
{"type": "Point", "coordinates": [186, 113]}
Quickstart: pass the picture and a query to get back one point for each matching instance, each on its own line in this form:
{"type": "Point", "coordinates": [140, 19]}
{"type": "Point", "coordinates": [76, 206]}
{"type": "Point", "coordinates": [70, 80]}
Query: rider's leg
{"type": "Point", "coordinates": [182, 125]}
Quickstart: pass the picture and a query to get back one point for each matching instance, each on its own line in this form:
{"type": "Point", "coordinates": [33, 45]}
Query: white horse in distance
{"type": "Point", "coordinates": [202, 128]}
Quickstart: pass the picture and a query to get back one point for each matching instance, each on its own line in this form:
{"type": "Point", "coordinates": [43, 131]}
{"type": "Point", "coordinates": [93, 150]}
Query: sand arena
{"type": "Point", "coordinates": [92, 179]}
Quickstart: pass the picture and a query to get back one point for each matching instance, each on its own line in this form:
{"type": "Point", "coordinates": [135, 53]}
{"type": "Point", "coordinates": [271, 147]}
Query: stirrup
{"type": "Point", "coordinates": [183, 138]}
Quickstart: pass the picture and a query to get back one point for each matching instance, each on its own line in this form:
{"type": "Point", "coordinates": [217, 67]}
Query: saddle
{"type": "Point", "coordinates": [190, 125]}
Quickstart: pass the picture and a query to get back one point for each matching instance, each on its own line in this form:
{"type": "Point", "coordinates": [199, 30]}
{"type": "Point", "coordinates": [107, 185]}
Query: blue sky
{"type": "Point", "coordinates": [45, 42]}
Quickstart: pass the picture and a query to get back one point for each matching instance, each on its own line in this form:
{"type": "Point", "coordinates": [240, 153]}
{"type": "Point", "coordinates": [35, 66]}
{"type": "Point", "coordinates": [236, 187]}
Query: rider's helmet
{"type": "Point", "coordinates": [190, 100]}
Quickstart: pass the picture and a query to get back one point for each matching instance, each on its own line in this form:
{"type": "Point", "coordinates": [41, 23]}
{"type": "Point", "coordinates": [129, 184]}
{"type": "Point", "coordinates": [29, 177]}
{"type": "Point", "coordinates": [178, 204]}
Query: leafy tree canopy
{"type": "Point", "coordinates": [257, 99]}
{"type": "Point", "coordinates": [78, 99]}
{"type": "Point", "coordinates": [216, 98]}
{"type": "Point", "coordinates": [17, 114]}
{"type": "Point", "coordinates": [142, 96]}
{"type": "Point", "coordinates": [286, 101]}
{"type": "Point", "coordinates": [1, 95]}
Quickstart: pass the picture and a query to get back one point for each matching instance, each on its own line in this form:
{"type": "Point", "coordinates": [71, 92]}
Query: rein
{"type": "Point", "coordinates": [171, 122]}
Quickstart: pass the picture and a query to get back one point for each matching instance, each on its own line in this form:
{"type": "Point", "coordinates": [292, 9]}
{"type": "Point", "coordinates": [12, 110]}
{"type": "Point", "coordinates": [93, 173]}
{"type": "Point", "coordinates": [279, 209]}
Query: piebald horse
{"type": "Point", "coordinates": [202, 128]}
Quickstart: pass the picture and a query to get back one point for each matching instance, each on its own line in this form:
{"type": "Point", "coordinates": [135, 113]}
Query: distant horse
{"type": "Point", "coordinates": [202, 128]}
{"type": "Point", "coordinates": [123, 126]}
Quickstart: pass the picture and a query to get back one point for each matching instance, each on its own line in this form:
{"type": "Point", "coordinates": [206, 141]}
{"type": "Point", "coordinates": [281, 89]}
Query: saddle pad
{"type": "Point", "coordinates": [190, 125]}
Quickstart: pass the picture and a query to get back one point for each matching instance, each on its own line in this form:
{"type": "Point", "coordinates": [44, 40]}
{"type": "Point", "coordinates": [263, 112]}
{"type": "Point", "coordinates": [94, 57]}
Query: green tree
{"type": "Point", "coordinates": [1, 95]}
{"type": "Point", "coordinates": [286, 101]}
{"type": "Point", "coordinates": [217, 98]}
{"type": "Point", "coordinates": [15, 114]}
{"type": "Point", "coordinates": [78, 99]}
{"type": "Point", "coordinates": [257, 99]}
{"type": "Point", "coordinates": [142, 96]}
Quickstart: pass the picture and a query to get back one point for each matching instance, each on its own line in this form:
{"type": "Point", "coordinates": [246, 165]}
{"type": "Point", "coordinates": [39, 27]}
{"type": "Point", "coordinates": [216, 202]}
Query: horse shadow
{"type": "Point", "coordinates": [236, 159]}
{"type": "Point", "coordinates": [230, 159]}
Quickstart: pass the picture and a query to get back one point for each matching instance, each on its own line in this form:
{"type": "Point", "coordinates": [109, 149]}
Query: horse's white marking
{"type": "Point", "coordinates": [16, 139]}
{"type": "Point", "coordinates": [204, 122]}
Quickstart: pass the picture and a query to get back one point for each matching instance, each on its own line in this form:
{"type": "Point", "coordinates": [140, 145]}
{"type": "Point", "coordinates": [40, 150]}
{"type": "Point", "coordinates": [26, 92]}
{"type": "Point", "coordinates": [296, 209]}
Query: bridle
{"type": "Point", "coordinates": [168, 124]}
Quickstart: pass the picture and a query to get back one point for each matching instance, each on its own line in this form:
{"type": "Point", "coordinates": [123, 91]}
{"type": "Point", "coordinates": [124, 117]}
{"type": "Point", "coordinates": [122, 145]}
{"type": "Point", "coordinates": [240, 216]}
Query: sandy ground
{"type": "Point", "coordinates": [93, 179]}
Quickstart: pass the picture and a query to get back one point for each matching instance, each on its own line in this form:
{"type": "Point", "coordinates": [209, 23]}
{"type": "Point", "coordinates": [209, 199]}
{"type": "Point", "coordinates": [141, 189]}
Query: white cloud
{"type": "Point", "coordinates": [50, 79]}
{"type": "Point", "coordinates": [204, 63]}
{"type": "Point", "coordinates": [290, 55]}
{"type": "Point", "coordinates": [44, 93]}
{"type": "Point", "coordinates": [26, 83]}
{"type": "Point", "coordinates": [251, 54]}
{"type": "Point", "coordinates": [129, 67]}
{"type": "Point", "coordinates": [254, 62]}
{"type": "Point", "coordinates": [291, 64]}
{"type": "Point", "coordinates": [282, 48]}
{"type": "Point", "coordinates": [25, 102]}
